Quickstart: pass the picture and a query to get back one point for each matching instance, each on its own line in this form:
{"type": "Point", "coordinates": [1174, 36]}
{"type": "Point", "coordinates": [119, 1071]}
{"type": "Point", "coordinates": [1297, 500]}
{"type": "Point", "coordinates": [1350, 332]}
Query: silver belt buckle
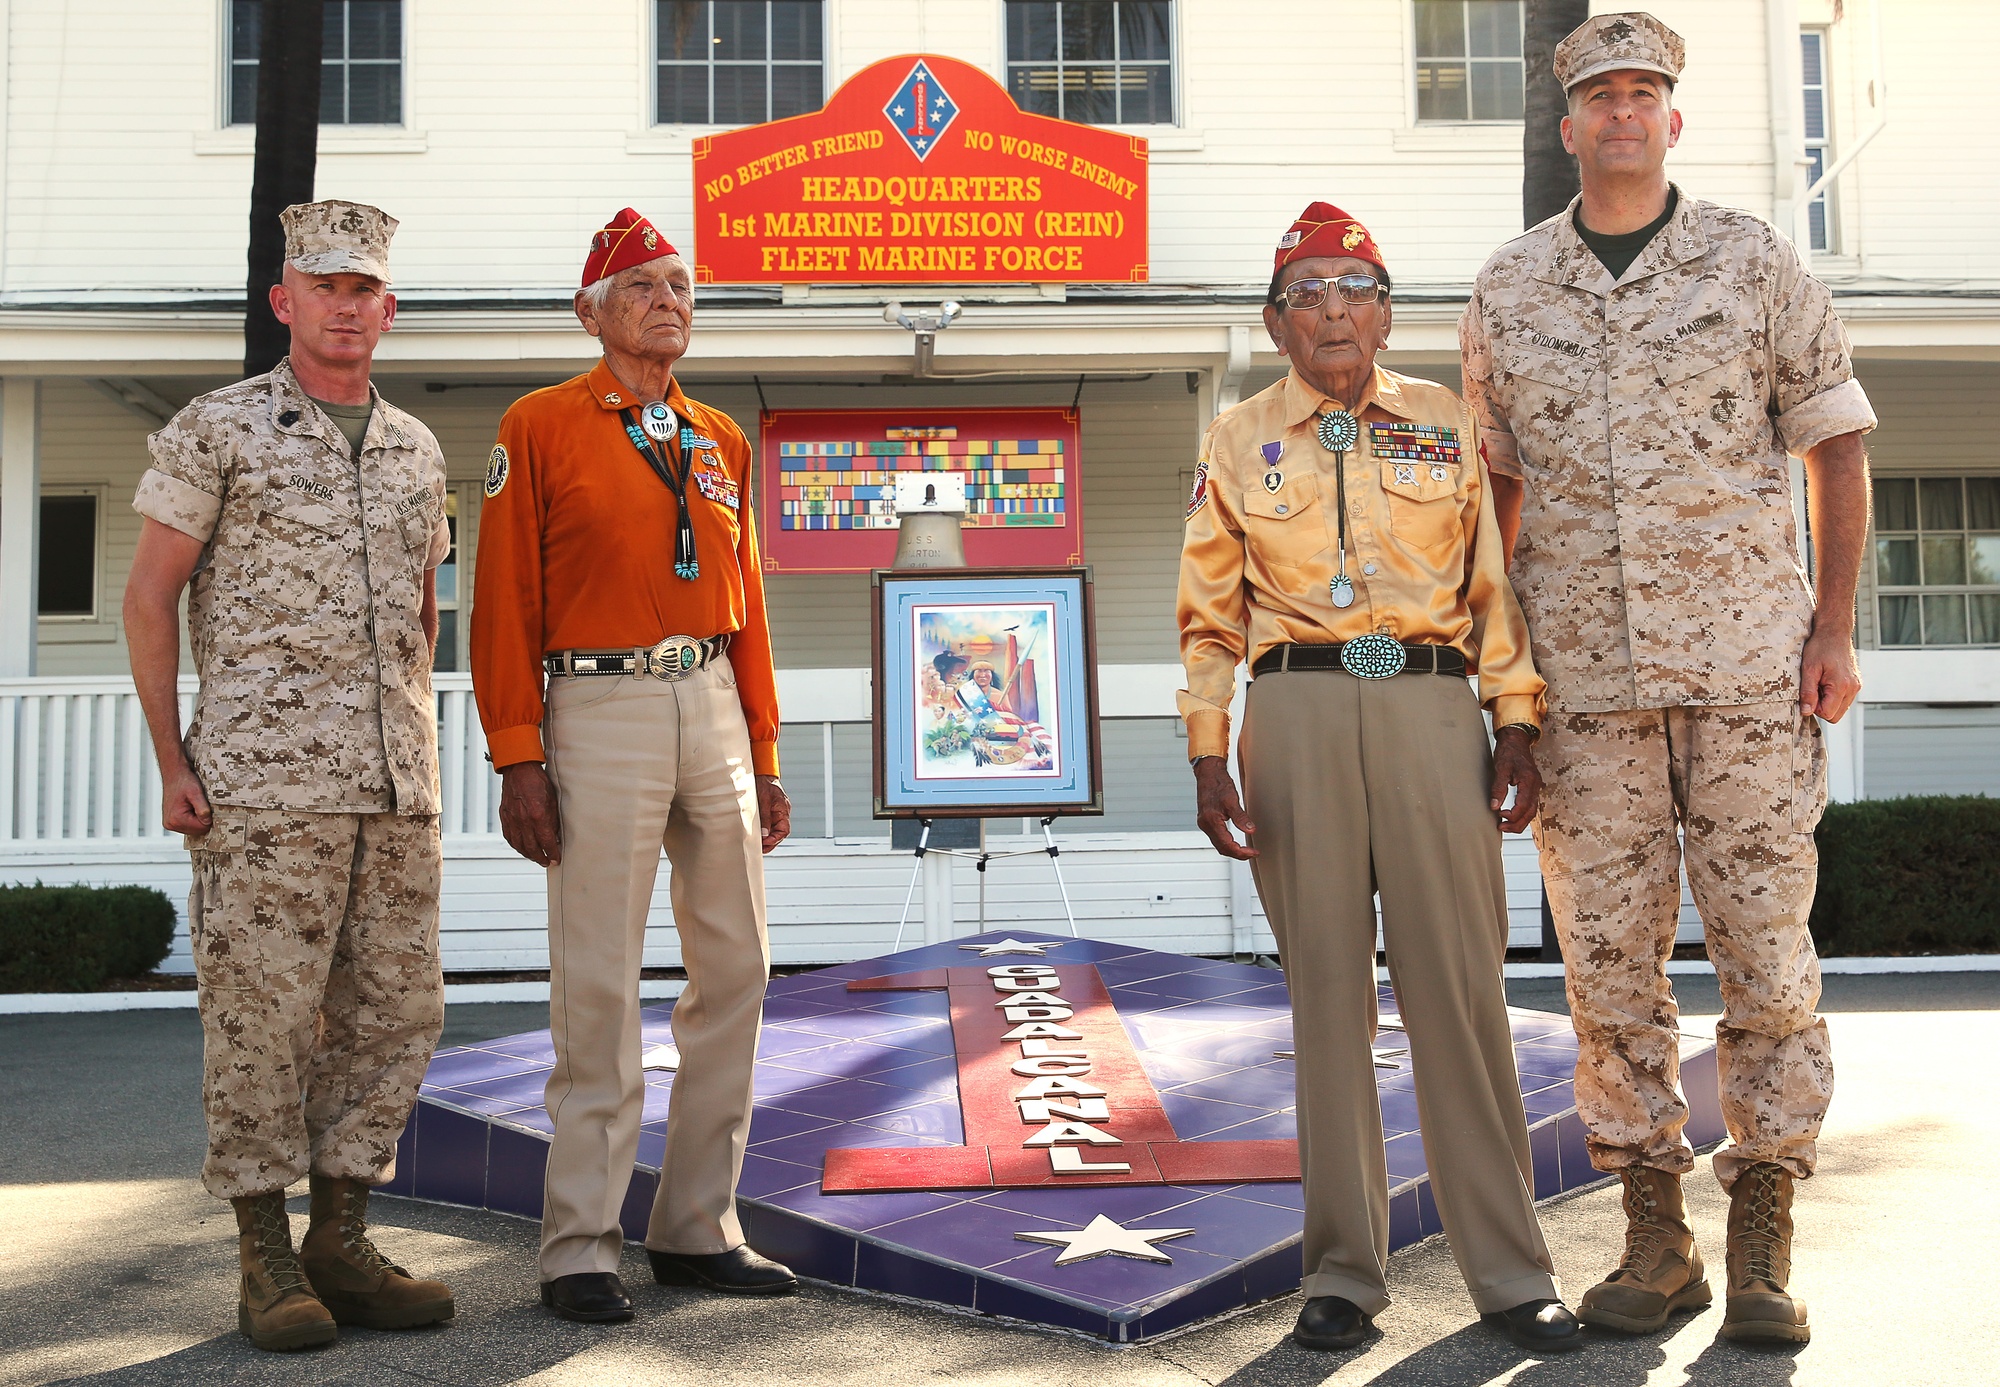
{"type": "Point", "coordinates": [676, 657]}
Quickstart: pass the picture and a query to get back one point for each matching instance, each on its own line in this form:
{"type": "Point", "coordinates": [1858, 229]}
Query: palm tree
{"type": "Point", "coordinates": [1548, 173]}
{"type": "Point", "coordinates": [288, 57]}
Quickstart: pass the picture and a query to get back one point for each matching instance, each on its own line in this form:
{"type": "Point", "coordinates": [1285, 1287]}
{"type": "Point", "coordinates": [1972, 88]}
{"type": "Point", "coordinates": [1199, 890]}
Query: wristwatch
{"type": "Point", "coordinates": [1534, 732]}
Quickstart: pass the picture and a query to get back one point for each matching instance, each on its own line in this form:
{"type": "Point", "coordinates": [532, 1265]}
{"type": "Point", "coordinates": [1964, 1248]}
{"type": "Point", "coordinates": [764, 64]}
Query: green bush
{"type": "Point", "coordinates": [72, 938]}
{"type": "Point", "coordinates": [1909, 876]}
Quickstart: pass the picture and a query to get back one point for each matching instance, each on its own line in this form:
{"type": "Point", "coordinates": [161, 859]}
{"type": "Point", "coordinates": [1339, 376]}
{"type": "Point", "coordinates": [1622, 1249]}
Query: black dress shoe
{"type": "Point", "coordinates": [1545, 1326]}
{"type": "Point", "coordinates": [589, 1297]}
{"type": "Point", "coordinates": [738, 1271]}
{"type": "Point", "coordinates": [1328, 1322]}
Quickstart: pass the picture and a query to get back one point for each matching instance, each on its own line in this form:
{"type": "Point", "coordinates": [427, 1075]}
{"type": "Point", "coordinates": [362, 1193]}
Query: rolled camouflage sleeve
{"type": "Point", "coordinates": [1497, 446]}
{"type": "Point", "coordinates": [186, 483]}
{"type": "Point", "coordinates": [1816, 394]}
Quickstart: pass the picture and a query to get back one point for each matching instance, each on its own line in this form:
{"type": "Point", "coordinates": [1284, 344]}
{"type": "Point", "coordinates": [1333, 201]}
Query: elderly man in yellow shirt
{"type": "Point", "coordinates": [1340, 540]}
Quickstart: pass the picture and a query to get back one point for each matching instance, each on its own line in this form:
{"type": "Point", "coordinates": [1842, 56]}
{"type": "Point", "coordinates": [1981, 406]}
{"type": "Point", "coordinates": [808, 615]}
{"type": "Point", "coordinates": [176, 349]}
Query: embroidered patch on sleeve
{"type": "Point", "coordinates": [496, 471]}
{"type": "Point", "coordinates": [1199, 496]}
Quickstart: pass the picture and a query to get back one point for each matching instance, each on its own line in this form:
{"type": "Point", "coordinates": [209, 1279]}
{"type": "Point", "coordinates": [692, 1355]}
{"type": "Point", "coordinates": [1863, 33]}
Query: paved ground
{"type": "Point", "coordinates": [115, 1268]}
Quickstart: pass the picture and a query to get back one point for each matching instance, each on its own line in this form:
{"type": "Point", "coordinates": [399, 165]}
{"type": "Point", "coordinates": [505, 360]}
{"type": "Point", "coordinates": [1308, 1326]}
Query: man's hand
{"type": "Point", "coordinates": [774, 811]}
{"type": "Point", "coordinates": [1837, 491]}
{"type": "Point", "coordinates": [1216, 807]}
{"type": "Point", "coordinates": [183, 805]}
{"type": "Point", "coordinates": [1829, 673]}
{"type": "Point", "coordinates": [528, 814]}
{"type": "Point", "coordinates": [1514, 765]}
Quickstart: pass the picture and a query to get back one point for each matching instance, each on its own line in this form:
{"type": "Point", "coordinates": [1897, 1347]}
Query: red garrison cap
{"type": "Point", "coordinates": [1324, 230]}
{"type": "Point", "coordinates": [628, 240]}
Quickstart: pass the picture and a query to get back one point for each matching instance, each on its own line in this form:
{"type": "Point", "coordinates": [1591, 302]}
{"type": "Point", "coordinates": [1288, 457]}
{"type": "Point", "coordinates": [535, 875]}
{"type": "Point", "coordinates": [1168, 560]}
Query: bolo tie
{"type": "Point", "coordinates": [1338, 432]}
{"type": "Point", "coordinates": [649, 434]}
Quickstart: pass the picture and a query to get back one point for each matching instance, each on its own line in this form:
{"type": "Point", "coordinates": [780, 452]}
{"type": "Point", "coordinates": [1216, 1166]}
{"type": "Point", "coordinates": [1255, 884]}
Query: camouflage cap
{"type": "Point", "coordinates": [323, 238]}
{"type": "Point", "coordinates": [1609, 42]}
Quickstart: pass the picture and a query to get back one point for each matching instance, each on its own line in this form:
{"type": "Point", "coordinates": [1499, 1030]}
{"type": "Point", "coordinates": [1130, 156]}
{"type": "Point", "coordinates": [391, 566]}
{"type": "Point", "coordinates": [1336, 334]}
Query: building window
{"type": "Point", "coordinates": [1102, 62]}
{"type": "Point", "coordinates": [737, 62]}
{"type": "Point", "coordinates": [1469, 60]}
{"type": "Point", "coordinates": [66, 581]}
{"type": "Point", "coordinates": [361, 62]}
{"type": "Point", "coordinates": [1937, 560]}
{"type": "Point", "coordinates": [450, 629]}
{"type": "Point", "coordinates": [1819, 133]}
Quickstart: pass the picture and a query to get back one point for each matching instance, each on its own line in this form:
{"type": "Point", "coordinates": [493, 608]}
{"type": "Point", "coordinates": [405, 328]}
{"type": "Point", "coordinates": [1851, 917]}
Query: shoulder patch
{"type": "Point", "coordinates": [496, 471]}
{"type": "Point", "coordinates": [1199, 496]}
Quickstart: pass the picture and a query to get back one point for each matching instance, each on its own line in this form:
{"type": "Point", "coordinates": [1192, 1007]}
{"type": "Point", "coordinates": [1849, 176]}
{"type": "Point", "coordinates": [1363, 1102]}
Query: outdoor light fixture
{"type": "Point", "coordinates": [926, 323]}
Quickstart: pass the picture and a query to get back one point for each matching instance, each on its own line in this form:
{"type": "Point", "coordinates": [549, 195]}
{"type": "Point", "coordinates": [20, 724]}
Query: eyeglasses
{"type": "Point", "coordinates": [1311, 293]}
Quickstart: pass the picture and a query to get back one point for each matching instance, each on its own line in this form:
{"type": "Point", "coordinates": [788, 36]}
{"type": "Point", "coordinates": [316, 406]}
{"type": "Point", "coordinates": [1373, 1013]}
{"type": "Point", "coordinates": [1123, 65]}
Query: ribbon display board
{"type": "Point", "coordinates": [920, 170]}
{"type": "Point", "coordinates": [827, 486]}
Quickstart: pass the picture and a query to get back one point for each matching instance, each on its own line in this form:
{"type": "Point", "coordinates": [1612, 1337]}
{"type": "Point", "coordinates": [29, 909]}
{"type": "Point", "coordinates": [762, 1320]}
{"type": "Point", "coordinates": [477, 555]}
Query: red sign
{"type": "Point", "coordinates": [1052, 1094]}
{"type": "Point", "coordinates": [827, 489]}
{"type": "Point", "coordinates": [920, 170]}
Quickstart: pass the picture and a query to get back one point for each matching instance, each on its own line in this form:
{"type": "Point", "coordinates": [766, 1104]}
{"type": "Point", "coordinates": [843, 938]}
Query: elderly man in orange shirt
{"type": "Point", "coordinates": [618, 559]}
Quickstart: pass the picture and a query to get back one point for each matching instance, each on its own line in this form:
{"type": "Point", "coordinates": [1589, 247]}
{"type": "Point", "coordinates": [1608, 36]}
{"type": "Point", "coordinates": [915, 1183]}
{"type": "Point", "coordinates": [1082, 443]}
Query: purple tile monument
{"type": "Point", "coordinates": [1154, 1187]}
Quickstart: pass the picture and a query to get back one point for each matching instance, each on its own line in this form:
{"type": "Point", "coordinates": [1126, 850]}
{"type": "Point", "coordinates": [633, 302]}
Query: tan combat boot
{"type": "Point", "coordinates": [1759, 1258]}
{"type": "Point", "coordinates": [276, 1308]}
{"type": "Point", "coordinates": [359, 1285]}
{"type": "Point", "coordinates": [1661, 1271]}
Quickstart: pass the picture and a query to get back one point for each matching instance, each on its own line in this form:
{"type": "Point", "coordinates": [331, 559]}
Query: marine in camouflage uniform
{"type": "Point", "coordinates": [1647, 417]}
{"type": "Point", "coordinates": [314, 910]}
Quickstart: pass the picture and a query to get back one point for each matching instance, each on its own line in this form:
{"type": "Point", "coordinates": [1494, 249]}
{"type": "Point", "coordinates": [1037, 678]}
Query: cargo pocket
{"type": "Point", "coordinates": [221, 904]}
{"type": "Point", "coordinates": [1808, 772]}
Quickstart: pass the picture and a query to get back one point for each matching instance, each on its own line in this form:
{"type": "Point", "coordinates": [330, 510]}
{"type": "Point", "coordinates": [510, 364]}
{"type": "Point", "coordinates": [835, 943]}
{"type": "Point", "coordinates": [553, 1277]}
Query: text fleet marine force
{"type": "Point", "coordinates": [922, 259]}
{"type": "Point", "coordinates": [870, 226]}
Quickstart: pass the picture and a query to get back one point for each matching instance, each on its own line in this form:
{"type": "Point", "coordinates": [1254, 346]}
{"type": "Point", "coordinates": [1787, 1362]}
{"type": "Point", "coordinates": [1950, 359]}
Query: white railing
{"type": "Point", "coordinates": [76, 763]}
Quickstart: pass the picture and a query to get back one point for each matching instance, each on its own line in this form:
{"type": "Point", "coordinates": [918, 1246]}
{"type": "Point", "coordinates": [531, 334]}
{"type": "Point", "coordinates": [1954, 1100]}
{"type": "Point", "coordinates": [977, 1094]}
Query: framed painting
{"type": "Point", "coordinates": [985, 693]}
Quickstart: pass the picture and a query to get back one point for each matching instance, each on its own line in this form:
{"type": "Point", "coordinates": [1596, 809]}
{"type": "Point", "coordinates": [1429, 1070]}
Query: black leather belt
{"type": "Point", "coordinates": [1419, 659]}
{"type": "Point", "coordinates": [676, 657]}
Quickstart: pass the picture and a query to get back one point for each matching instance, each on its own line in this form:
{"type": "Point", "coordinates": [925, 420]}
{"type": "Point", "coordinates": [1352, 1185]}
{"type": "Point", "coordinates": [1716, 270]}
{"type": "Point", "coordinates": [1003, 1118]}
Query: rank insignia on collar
{"type": "Point", "coordinates": [1274, 481]}
{"type": "Point", "coordinates": [614, 398]}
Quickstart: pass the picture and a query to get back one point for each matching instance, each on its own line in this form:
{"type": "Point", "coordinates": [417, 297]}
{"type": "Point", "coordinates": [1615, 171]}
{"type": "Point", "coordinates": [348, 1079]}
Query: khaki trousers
{"type": "Point", "coordinates": [640, 764]}
{"type": "Point", "coordinates": [315, 940]}
{"type": "Point", "coordinates": [1358, 786]}
{"type": "Point", "coordinates": [1747, 784]}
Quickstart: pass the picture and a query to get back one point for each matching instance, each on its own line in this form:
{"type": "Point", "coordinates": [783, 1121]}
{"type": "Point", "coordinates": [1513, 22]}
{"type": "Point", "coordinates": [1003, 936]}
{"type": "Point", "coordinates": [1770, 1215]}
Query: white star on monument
{"type": "Point", "coordinates": [1013, 946]}
{"type": "Point", "coordinates": [922, 143]}
{"type": "Point", "coordinates": [1103, 1236]}
{"type": "Point", "coordinates": [899, 112]}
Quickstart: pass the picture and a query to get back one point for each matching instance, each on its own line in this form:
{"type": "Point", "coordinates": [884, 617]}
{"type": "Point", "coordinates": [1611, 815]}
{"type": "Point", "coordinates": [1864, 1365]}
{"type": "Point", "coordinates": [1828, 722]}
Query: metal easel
{"type": "Point", "coordinates": [980, 858]}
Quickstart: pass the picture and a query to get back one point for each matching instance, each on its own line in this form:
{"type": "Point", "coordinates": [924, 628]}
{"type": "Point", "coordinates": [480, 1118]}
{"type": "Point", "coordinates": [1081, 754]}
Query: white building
{"type": "Point", "coordinates": [504, 134]}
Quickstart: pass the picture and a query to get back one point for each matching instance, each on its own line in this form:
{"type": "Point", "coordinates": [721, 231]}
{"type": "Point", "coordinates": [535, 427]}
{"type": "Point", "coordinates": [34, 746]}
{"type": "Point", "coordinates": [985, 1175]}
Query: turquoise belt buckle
{"type": "Point", "coordinates": [1373, 656]}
